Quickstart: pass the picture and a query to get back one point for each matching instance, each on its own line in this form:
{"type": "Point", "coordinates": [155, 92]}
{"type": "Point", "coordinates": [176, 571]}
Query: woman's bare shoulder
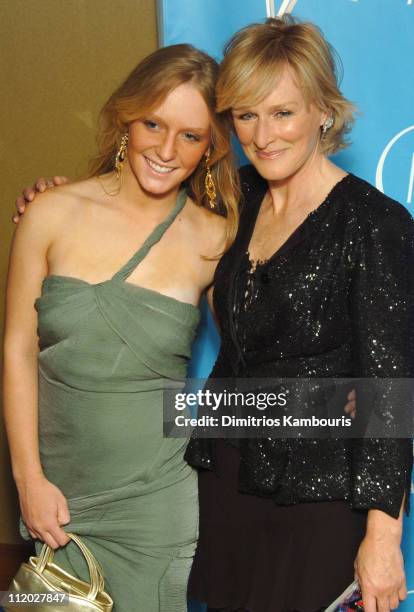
{"type": "Point", "coordinates": [74, 194]}
{"type": "Point", "coordinates": [88, 188]}
{"type": "Point", "coordinates": [57, 203]}
{"type": "Point", "coordinates": [54, 210]}
{"type": "Point", "coordinates": [211, 229]}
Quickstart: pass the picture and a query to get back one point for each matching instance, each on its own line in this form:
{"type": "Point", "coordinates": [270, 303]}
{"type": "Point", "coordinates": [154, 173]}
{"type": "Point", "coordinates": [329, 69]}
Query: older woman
{"type": "Point", "coordinates": [319, 283]}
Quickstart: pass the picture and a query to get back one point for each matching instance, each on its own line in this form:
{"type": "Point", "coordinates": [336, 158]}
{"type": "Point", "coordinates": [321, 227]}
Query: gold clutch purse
{"type": "Point", "coordinates": [42, 586]}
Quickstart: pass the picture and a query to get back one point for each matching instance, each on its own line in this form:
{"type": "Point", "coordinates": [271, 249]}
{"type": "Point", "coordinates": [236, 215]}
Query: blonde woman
{"type": "Point", "coordinates": [318, 283]}
{"type": "Point", "coordinates": [83, 408]}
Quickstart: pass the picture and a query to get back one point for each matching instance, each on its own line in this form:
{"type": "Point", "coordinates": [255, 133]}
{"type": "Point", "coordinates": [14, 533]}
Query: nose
{"type": "Point", "coordinates": [166, 147]}
{"type": "Point", "coordinates": [262, 134]}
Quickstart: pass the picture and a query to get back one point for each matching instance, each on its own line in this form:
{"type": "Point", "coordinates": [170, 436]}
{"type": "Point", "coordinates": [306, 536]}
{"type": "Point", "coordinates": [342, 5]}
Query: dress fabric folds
{"type": "Point", "coordinates": [106, 350]}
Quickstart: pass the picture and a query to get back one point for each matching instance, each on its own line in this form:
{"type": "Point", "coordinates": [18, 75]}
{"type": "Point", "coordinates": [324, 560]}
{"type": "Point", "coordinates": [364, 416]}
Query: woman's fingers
{"type": "Point", "coordinates": [45, 183]}
{"type": "Point", "coordinates": [383, 604]}
{"type": "Point", "coordinates": [49, 540]}
{"type": "Point", "coordinates": [28, 194]}
{"type": "Point", "coordinates": [64, 539]}
{"type": "Point", "coordinates": [35, 535]}
{"type": "Point", "coordinates": [20, 204]}
{"type": "Point", "coordinates": [41, 184]}
{"type": "Point", "coordinates": [370, 603]}
{"type": "Point", "coordinates": [55, 534]}
{"type": "Point", "coordinates": [379, 603]}
{"type": "Point", "coordinates": [63, 518]}
{"type": "Point", "coordinates": [60, 536]}
{"type": "Point", "coordinates": [402, 592]}
{"type": "Point", "coordinates": [60, 180]}
{"type": "Point", "coordinates": [63, 514]}
{"type": "Point", "coordinates": [352, 395]}
{"type": "Point", "coordinates": [382, 599]}
{"type": "Point", "coordinates": [350, 407]}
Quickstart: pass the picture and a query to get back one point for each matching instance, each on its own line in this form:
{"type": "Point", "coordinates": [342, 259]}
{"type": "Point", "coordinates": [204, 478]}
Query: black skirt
{"type": "Point", "coordinates": [254, 555]}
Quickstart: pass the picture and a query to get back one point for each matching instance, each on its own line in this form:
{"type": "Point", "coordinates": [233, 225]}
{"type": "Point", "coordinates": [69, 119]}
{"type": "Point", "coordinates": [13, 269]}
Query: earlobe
{"type": "Point", "coordinates": [325, 115]}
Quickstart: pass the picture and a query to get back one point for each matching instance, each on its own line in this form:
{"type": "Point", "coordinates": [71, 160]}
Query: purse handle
{"type": "Point", "coordinates": [95, 573]}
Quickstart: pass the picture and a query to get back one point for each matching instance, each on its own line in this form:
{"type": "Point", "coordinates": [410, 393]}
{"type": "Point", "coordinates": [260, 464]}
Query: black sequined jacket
{"type": "Point", "coordinates": [336, 300]}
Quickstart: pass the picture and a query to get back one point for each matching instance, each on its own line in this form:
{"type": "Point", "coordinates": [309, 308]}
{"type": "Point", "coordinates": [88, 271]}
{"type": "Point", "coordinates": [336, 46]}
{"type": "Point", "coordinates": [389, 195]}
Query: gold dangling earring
{"type": "Point", "coordinates": [209, 184]}
{"type": "Point", "coordinates": [121, 155]}
{"type": "Point", "coordinates": [119, 162]}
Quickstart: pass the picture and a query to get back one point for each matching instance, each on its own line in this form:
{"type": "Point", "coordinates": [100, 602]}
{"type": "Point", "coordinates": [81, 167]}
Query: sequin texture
{"type": "Point", "coordinates": [336, 300]}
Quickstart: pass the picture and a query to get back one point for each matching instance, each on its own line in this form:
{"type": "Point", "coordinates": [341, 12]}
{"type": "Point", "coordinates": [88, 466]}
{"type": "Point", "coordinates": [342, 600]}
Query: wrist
{"type": "Point", "coordinates": [23, 476]}
{"type": "Point", "coordinates": [382, 526]}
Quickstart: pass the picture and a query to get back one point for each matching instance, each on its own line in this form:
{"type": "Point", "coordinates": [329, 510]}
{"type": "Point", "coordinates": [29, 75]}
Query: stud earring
{"type": "Point", "coordinates": [328, 123]}
{"type": "Point", "coordinates": [209, 184]}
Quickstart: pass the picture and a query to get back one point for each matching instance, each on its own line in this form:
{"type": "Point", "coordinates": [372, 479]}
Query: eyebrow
{"type": "Point", "coordinates": [272, 108]}
{"type": "Point", "coordinates": [196, 129]}
{"type": "Point", "coordinates": [283, 104]}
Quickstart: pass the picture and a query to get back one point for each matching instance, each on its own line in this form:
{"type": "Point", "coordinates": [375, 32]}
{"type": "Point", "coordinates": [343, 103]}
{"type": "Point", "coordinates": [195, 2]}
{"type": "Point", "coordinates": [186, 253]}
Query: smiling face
{"type": "Point", "coordinates": [166, 145]}
{"type": "Point", "coordinates": [281, 134]}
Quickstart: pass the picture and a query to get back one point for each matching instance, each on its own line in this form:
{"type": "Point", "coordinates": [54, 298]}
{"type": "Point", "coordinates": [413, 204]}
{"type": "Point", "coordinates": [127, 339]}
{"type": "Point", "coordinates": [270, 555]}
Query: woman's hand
{"type": "Point", "coordinates": [29, 193]}
{"type": "Point", "coordinates": [379, 565]}
{"type": "Point", "coordinates": [350, 407]}
{"type": "Point", "coordinates": [44, 509]}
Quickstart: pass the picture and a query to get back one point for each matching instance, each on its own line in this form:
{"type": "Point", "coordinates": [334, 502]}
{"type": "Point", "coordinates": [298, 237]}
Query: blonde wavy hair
{"type": "Point", "coordinates": [255, 57]}
{"type": "Point", "coordinates": [144, 89]}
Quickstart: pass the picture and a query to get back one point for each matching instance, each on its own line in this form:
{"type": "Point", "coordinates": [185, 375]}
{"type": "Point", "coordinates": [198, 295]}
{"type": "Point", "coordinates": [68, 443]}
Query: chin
{"type": "Point", "coordinates": [271, 174]}
{"type": "Point", "coordinates": [276, 171]}
{"type": "Point", "coordinates": [157, 187]}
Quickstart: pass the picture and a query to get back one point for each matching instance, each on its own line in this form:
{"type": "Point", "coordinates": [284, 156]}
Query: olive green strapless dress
{"type": "Point", "coordinates": [105, 350]}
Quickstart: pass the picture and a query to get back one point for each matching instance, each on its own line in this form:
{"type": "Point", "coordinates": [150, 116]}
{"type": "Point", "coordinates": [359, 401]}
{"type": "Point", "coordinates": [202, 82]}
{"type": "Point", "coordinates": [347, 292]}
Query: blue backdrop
{"type": "Point", "coordinates": [375, 40]}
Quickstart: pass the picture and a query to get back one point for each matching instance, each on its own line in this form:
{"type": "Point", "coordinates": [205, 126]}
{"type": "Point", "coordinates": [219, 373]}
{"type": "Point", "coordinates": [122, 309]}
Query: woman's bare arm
{"type": "Point", "coordinates": [379, 565]}
{"type": "Point", "coordinates": [43, 506]}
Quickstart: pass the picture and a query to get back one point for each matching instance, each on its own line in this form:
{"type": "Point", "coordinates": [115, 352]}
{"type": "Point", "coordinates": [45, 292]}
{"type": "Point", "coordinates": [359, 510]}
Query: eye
{"type": "Point", "coordinates": [191, 137]}
{"type": "Point", "coordinates": [281, 114]}
{"type": "Point", "coordinates": [150, 124]}
{"type": "Point", "coordinates": [245, 116]}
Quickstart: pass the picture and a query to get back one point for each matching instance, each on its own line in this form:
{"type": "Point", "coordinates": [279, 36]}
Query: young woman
{"type": "Point", "coordinates": [114, 319]}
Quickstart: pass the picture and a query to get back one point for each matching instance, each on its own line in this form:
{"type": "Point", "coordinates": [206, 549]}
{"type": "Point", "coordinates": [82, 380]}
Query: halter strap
{"type": "Point", "coordinates": [154, 237]}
